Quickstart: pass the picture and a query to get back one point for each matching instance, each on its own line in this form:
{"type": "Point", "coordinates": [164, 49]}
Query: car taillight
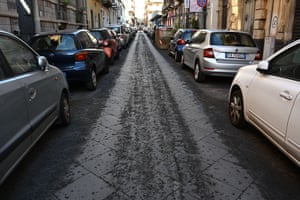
{"type": "Point", "coordinates": [208, 53]}
{"type": "Point", "coordinates": [258, 55]}
{"type": "Point", "coordinates": [121, 36]}
{"type": "Point", "coordinates": [81, 56]}
{"type": "Point", "coordinates": [180, 42]}
{"type": "Point", "coordinates": [106, 43]}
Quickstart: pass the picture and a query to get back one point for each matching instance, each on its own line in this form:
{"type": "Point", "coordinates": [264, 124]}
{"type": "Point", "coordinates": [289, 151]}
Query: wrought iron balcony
{"type": "Point", "coordinates": [107, 3]}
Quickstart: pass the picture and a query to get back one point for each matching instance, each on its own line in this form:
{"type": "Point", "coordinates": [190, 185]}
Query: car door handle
{"type": "Point", "coordinates": [286, 95]}
{"type": "Point", "coordinates": [32, 93]}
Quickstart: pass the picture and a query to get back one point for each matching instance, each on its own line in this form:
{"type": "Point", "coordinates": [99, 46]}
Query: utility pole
{"type": "Point", "coordinates": [26, 22]}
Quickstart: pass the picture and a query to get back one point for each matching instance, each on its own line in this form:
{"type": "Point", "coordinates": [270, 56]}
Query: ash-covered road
{"type": "Point", "coordinates": [146, 133]}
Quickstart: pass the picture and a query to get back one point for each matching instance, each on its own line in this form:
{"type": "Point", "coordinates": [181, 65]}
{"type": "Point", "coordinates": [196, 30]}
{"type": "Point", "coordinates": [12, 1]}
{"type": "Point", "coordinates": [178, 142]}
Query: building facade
{"type": "Point", "coordinates": [272, 23]}
{"type": "Point", "coordinates": [29, 17]}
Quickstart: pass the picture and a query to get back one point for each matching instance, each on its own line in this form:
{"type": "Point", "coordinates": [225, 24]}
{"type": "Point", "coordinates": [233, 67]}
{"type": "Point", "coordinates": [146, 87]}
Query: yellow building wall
{"type": "Point", "coordinates": [94, 8]}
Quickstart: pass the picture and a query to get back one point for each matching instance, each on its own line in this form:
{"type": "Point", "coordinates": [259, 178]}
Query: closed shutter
{"type": "Point", "coordinates": [296, 31]}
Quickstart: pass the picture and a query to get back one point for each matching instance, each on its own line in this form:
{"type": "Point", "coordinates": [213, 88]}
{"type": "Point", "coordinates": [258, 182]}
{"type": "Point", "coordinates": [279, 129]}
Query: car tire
{"type": "Point", "coordinates": [236, 109]}
{"type": "Point", "coordinates": [198, 75]}
{"type": "Point", "coordinates": [177, 56]}
{"type": "Point", "coordinates": [92, 83]}
{"type": "Point", "coordinates": [64, 117]}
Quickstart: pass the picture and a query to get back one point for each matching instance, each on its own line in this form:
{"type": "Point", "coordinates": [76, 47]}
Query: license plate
{"type": "Point", "coordinates": [236, 55]}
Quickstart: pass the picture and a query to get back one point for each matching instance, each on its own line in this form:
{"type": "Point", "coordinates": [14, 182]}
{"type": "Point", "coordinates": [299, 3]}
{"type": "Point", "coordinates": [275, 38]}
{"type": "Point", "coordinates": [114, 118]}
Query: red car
{"type": "Point", "coordinates": [108, 42]}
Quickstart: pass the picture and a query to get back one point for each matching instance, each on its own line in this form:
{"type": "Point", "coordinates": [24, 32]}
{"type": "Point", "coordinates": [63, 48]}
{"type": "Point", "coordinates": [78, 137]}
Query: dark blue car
{"type": "Point", "coordinates": [178, 42]}
{"type": "Point", "coordinates": [76, 53]}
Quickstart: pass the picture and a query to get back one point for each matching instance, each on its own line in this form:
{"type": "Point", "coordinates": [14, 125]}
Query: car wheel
{"type": "Point", "coordinates": [236, 109]}
{"type": "Point", "coordinates": [198, 75]}
{"type": "Point", "coordinates": [177, 56]}
{"type": "Point", "coordinates": [92, 83]}
{"type": "Point", "coordinates": [64, 110]}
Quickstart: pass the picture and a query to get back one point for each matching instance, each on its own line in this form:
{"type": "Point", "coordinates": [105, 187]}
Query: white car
{"type": "Point", "coordinates": [267, 95]}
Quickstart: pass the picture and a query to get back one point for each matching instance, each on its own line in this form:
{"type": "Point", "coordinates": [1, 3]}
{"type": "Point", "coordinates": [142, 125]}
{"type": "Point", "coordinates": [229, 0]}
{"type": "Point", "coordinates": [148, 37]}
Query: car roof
{"type": "Point", "coordinates": [98, 29]}
{"type": "Point", "coordinates": [73, 32]}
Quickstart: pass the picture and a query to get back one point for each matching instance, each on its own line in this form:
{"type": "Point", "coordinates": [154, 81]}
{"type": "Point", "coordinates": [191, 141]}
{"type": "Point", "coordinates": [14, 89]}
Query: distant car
{"type": "Point", "coordinates": [178, 41]}
{"type": "Point", "coordinates": [122, 32]}
{"type": "Point", "coordinates": [107, 41]}
{"type": "Point", "coordinates": [34, 95]}
{"type": "Point", "coordinates": [76, 53]}
{"type": "Point", "coordinates": [219, 53]}
{"type": "Point", "coordinates": [115, 36]}
{"type": "Point", "coordinates": [267, 95]}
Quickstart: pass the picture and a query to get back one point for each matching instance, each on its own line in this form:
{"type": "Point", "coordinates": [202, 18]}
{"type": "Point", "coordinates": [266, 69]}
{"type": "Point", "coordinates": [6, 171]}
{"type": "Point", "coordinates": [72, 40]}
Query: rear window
{"type": "Point", "coordinates": [231, 39]}
{"type": "Point", "coordinates": [116, 29]}
{"type": "Point", "coordinates": [53, 42]}
{"type": "Point", "coordinates": [188, 35]}
{"type": "Point", "coordinates": [97, 35]}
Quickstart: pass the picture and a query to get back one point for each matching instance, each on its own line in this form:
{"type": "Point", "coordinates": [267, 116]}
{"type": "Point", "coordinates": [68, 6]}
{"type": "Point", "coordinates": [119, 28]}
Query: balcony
{"type": "Point", "coordinates": [107, 3]}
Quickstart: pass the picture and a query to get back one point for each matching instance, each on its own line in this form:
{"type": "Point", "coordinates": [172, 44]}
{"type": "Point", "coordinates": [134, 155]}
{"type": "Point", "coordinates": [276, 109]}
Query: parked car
{"type": "Point", "coordinates": [122, 32]}
{"type": "Point", "coordinates": [33, 96]}
{"type": "Point", "coordinates": [267, 95]}
{"type": "Point", "coordinates": [76, 53]}
{"type": "Point", "coordinates": [219, 53]}
{"type": "Point", "coordinates": [107, 42]}
{"type": "Point", "coordinates": [178, 41]}
{"type": "Point", "coordinates": [118, 40]}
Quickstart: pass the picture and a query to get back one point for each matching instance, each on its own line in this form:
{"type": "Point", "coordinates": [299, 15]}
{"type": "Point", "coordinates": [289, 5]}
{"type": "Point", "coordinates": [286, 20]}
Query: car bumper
{"type": "Point", "coordinates": [78, 72]}
{"type": "Point", "coordinates": [213, 67]}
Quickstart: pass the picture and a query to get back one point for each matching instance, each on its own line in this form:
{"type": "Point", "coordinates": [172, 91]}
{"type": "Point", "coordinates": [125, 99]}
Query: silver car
{"type": "Point", "coordinates": [219, 53]}
{"type": "Point", "coordinates": [33, 95]}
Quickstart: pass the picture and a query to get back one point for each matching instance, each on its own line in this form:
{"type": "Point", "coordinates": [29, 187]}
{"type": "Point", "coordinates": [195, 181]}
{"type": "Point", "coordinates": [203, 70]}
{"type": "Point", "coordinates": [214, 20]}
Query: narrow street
{"type": "Point", "coordinates": [146, 133]}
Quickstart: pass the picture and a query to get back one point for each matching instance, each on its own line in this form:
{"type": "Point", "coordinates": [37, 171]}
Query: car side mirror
{"type": "Point", "coordinates": [43, 63]}
{"type": "Point", "coordinates": [263, 66]}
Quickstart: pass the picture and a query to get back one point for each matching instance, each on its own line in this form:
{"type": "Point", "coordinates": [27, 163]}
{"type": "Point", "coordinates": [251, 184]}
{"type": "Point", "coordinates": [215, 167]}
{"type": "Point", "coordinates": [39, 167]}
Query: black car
{"type": "Point", "coordinates": [76, 53]}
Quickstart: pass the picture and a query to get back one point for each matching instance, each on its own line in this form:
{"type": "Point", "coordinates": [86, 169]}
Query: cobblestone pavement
{"type": "Point", "coordinates": [150, 138]}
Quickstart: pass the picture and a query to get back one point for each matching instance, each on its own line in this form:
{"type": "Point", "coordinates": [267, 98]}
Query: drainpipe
{"type": "Point", "coordinates": [36, 17]}
{"type": "Point", "coordinates": [269, 44]}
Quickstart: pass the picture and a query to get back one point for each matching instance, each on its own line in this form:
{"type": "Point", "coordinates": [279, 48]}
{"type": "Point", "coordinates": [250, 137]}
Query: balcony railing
{"type": "Point", "coordinates": [107, 3]}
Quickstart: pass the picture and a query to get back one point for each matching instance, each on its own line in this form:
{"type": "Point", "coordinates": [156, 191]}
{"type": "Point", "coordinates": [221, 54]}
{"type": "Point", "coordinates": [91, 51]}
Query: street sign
{"type": "Point", "coordinates": [202, 3]}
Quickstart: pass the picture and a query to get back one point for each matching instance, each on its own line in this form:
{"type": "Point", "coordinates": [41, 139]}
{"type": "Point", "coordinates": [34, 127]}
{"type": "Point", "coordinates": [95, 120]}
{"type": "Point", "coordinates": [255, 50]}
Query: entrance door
{"type": "Point", "coordinates": [248, 16]}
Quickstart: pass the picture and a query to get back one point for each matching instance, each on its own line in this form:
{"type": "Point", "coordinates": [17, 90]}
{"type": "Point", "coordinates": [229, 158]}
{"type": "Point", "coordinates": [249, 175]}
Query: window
{"type": "Point", "coordinates": [287, 64]}
{"type": "Point", "coordinates": [188, 35]}
{"type": "Point", "coordinates": [20, 58]}
{"type": "Point", "coordinates": [198, 37]}
{"type": "Point", "coordinates": [231, 39]}
{"type": "Point", "coordinates": [66, 42]}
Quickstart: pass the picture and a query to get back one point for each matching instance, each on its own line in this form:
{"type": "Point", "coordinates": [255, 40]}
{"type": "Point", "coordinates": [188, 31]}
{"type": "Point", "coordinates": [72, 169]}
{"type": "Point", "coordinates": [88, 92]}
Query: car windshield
{"type": "Point", "coordinates": [231, 39]}
{"type": "Point", "coordinates": [53, 42]}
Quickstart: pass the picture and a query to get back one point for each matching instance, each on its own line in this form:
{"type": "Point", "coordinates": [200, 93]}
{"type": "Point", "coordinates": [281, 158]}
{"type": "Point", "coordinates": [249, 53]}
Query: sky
{"type": "Point", "coordinates": [139, 8]}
